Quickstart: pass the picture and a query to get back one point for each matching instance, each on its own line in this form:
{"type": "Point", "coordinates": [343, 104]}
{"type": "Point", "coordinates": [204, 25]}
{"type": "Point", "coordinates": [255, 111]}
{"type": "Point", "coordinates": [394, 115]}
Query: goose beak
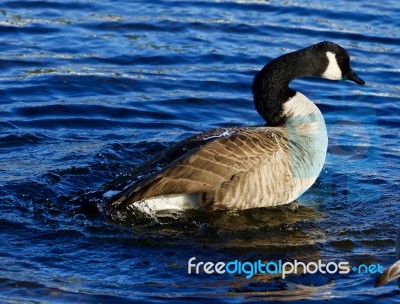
{"type": "Point", "coordinates": [354, 77]}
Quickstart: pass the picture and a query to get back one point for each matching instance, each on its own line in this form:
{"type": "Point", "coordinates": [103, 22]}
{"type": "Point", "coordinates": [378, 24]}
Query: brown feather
{"type": "Point", "coordinates": [248, 167]}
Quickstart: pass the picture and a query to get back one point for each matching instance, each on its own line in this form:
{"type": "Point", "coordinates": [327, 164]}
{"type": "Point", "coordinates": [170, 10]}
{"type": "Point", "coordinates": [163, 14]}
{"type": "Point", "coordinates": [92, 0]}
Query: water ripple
{"type": "Point", "coordinates": [89, 89]}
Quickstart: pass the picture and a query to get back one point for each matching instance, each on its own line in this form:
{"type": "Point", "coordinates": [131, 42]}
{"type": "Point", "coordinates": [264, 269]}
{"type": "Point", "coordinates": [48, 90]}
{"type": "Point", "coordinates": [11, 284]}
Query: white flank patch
{"type": "Point", "coordinates": [333, 71]}
{"type": "Point", "coordinates": [172, 202]}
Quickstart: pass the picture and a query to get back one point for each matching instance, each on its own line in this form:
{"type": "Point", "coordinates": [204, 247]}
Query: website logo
{"type": "Point", "coordinates": [249, 269]}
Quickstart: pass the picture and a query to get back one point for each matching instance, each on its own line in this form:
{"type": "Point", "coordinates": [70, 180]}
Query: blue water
{"type": "Point", "coordinates": [90, 89]}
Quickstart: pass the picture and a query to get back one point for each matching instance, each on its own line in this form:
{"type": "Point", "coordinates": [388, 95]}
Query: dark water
{"type": "Point", "coordinates": [89, 89]}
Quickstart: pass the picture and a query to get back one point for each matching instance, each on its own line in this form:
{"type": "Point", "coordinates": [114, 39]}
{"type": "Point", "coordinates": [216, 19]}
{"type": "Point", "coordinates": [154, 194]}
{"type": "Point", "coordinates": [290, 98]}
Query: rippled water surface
{"type": "Point", "coordinates": [90, 89]}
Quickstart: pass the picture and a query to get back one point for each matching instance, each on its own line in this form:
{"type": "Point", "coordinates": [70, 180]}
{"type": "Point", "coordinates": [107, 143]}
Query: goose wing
{"type": "Point", "coordinates": [217, 167]}
{"type": "Point", "coordinates": [166, 158]}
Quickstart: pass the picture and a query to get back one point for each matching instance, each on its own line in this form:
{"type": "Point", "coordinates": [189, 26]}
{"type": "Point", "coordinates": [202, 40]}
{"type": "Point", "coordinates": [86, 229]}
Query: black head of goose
{"type": "Point", "coordinates": [271, 85]}
{"type": "Point", "coordinates": [246, 167]}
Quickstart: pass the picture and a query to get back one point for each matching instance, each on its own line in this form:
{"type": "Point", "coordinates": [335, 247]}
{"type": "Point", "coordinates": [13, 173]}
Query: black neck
{"type": "Point", "coordinates": [271, 85]}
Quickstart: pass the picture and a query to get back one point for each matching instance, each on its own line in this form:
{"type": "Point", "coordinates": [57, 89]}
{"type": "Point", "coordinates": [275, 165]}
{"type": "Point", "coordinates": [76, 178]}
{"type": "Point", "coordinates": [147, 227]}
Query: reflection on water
{"type": "Point", "coordinates": [91, 89]}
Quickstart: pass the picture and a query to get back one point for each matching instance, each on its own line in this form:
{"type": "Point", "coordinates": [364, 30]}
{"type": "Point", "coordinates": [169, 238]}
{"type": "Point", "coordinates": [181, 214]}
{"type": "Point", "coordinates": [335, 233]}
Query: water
{"type": "Point", "coordinates": [90, 89]}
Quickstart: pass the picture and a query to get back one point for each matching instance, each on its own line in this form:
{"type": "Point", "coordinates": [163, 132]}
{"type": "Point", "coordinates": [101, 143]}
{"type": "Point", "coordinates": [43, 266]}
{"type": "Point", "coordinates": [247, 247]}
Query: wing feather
{"type": "Point", "coordinates": [220, 169]}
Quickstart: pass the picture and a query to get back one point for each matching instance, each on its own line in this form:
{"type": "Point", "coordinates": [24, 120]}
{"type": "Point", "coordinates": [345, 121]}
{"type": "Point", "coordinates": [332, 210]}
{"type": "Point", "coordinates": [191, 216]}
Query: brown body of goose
{"type": "Point", "coordinates": [230, 173]}
{"type": "Point", "coordinates": [240, 168]}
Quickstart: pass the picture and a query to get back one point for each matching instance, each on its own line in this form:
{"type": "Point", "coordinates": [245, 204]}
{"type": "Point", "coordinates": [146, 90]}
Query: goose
{"type": "Point", "coordinates": [240, 168]}
{"type": "Point", "coordinates": [392, 272]}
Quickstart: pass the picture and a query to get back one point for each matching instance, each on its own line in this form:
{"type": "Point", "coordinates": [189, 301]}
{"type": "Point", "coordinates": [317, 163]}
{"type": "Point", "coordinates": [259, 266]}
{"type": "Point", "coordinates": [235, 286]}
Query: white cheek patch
{"type": "Point", "coordinates": [333, 70]}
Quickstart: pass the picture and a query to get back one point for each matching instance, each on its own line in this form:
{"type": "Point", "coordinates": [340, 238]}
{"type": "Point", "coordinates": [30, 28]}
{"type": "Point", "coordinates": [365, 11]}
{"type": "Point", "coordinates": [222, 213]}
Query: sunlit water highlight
{"type": "Point", "coordinates": [90, 89]}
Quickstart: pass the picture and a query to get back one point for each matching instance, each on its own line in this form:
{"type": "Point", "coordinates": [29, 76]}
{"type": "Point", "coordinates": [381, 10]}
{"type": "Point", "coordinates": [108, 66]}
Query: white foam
{"type": "Point", "coordinates": [223, 134]}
